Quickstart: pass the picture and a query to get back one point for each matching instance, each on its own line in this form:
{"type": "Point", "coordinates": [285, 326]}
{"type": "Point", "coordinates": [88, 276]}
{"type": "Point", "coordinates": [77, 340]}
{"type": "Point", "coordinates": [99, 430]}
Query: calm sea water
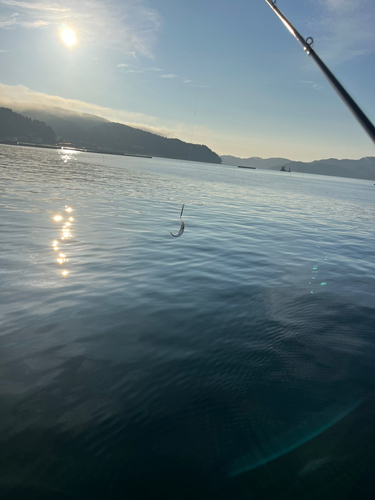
{"type": "Point", "coordinates": [235, 362]}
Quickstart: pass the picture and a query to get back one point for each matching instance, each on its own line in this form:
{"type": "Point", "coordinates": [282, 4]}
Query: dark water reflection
{"type": "Point", "coordinates": [235, 362]}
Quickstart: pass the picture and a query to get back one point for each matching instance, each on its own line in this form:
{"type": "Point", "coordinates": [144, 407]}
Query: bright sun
{"type": "Point", "coordinates": [68, 36]}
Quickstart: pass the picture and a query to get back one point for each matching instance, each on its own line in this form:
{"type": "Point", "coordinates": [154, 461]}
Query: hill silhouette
{"type": "Point", "coordinates": [69, 126]}
{"type": "Point", "coordinates": [14, 125]}
{"type": "Point", "coordinates": [363, 168]}
{"type": "Point", "coordinates": [97, 134]}
{"type": "Point", "coordinates": [254, 161]}
{"type": "Point", "coordinates": [355, 169]}
{"type": "Point", "coordinates": [134, 141]}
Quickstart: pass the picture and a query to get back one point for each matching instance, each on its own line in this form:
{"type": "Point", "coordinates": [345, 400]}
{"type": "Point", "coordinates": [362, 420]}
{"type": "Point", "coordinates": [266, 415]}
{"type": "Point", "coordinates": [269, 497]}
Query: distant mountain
{"type": "Point", "coordinates": [84, 120]}
{"type": "Point", "coordinates": [254, 161]}
{"type": "Point", "coordinates": [15, 126]}
{"type": "Point", "coordinates": [95, 133]}
{"type": "Point", "coordinates": [355, 169]}
{"type": "Point", "coordinates": [68, 125]}
{"type": "Point", "coordinates": [131, 140]}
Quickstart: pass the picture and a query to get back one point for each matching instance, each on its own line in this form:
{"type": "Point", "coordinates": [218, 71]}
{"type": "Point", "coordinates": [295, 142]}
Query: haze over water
{"type": "Point", "coordinates": [234, 362]}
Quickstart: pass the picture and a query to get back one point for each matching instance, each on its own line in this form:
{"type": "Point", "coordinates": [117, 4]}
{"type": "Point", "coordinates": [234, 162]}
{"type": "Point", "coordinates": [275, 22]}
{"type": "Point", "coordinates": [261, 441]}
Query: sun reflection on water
{"type": "Point", "coordinates": [65, 231]}
{"type": "Point", "coordinates": [68, 155]}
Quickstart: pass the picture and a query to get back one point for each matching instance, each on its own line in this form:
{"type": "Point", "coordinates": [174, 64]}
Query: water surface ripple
{"type": "Point", "coordinates": [234, 362]}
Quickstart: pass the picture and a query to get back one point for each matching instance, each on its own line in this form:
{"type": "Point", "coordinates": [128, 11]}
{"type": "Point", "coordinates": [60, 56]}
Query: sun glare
{"type": "Point", "coordinates": [68, 36]}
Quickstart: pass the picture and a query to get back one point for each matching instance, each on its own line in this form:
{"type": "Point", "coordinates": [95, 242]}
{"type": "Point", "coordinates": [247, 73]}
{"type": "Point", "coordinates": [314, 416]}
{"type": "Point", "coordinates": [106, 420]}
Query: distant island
{"type": "Point", "coordinates": [51, 126]}
{"type": "Point", "coordinates": [355, 169]}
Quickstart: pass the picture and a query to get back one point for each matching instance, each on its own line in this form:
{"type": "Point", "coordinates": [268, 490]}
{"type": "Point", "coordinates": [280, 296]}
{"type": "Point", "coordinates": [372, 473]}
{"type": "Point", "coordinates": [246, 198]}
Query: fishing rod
{"type": "Point", "coordinates": [307, 47]}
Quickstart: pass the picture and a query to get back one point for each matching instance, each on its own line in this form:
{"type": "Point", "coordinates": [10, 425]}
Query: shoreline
{"type": "Point", "coordinates": [70, 148]}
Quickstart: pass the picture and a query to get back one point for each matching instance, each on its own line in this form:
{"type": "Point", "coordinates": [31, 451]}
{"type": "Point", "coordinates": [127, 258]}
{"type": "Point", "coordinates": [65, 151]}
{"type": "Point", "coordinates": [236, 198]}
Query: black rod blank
{"type": "Point", "coordinates": [307, 47]}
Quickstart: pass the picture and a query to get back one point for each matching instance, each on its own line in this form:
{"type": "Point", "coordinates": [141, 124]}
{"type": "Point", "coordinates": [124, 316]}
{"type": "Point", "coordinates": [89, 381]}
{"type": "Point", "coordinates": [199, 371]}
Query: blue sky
{"type": "Point", "coordinates": [222, 73]}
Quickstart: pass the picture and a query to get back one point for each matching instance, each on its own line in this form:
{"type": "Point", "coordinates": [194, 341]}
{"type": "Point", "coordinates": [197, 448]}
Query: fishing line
{"type": "Point", "coordinates": [195, 112]}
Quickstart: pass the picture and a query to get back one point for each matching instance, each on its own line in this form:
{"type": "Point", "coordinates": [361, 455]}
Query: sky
{"type": "Point", "coordinates": [225, 73]}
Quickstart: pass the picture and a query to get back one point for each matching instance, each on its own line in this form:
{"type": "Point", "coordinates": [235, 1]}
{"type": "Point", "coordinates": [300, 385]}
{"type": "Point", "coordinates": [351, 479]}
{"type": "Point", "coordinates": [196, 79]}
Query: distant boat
{"type": "Point", "coordinates": [240, 166]}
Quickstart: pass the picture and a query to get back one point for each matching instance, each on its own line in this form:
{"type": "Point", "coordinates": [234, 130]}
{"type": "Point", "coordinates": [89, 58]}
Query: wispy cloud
{"type": "Point", "coordinates": [169, 76]}
{"type": "Point", "coordinates": [123, 66]}
{"type": "Point", "coordinates": [20, 94]}
{"type": "Point", "coordinates": [130, 27]}
{"type": "Point", "coordinates": [250, 142]}
{"type": "Point", "coordinates": [166, 76]}
{"type": "Point", "coordinates": [19, 97]}
{"type": "Point", "coordinates": [34, 6]}
{"type": "Point", "coordinates": [6, 23]}
{"type": "Point", "coordinates": [130, 54]}
{"type": "Point", "coordinates": [345, 29]}
{"type": "Point", "coordinates": [33, 24]}
{"type": "Point", "coordinates": [314, 85]}
{"type": "Point", "coordinates": [3, 51]}
{"type": "Point", "coordinates": [333, 5]}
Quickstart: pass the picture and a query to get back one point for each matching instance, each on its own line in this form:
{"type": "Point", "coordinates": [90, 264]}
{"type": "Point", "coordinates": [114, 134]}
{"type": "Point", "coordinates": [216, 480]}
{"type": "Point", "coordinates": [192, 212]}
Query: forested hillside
{"type": "Point", "coordinates": [16, 126]}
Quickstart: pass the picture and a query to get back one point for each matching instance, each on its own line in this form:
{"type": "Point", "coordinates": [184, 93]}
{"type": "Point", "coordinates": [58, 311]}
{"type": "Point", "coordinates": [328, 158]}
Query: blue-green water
{"type": "Point", "coordinates": [234, 362]}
